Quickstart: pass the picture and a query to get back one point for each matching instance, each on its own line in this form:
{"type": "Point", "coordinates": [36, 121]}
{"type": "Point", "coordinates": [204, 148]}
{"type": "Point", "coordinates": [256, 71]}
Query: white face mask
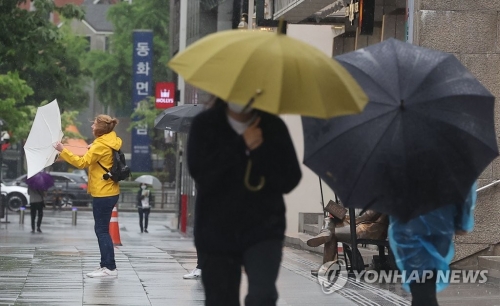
{"type": "Point", "coordinates": [143, 186]}
{"type": "Point", "coordinates": [238, 108]}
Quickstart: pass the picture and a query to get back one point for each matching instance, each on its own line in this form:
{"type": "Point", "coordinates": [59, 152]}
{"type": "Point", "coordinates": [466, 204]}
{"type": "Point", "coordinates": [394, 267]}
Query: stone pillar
{"type": "Point", "coordinates": [468, 29]}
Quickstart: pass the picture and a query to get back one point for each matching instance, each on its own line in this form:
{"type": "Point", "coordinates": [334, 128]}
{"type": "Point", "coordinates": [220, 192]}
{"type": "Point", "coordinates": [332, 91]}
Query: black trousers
{"type": "Point", "coordinates": [424, 293]}
{"type": "Point", "coordinates": [221, 275]}
{"type": "Point", "coordinates": [36, 207]}
{"type": "Point", "coordinates": [200, 259]}
{"type": "Point", "coordinates": [145, 212]}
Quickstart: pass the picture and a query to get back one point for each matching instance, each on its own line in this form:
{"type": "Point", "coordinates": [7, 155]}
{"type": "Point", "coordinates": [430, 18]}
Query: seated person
{"type": "Point", "coordinates": [370, 225]}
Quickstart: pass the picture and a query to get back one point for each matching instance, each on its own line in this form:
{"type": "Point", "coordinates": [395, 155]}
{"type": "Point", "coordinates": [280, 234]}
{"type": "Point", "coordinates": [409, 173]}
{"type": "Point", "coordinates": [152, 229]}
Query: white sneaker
{"type": "Point", "coordinates": [103, 272]}
{"type": "Point", "coordinates": [196, 273]}
{"type": "Point", "coordinates": [96, 270]}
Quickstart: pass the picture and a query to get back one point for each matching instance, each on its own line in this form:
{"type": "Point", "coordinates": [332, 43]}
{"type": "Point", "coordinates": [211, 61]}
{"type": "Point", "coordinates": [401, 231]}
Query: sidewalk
{"type": "Point", "coordinates": [486, 294]}
{"type": "Point", "coordinates": [49, 269]}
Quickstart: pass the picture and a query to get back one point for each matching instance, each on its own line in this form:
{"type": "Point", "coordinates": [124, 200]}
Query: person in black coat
{"type": "Point", "coordinates": [242, 161]}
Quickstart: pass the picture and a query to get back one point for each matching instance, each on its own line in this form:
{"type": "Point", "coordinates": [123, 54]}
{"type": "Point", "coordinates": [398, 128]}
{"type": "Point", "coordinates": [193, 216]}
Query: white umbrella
{"type": "Point", "coordinates": [44, 133]}
{"type": "Point", "coordinates": [150, 180]}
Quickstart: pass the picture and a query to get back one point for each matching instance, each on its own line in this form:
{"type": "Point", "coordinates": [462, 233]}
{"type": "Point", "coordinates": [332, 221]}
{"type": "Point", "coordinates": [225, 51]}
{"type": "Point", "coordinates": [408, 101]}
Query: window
{"type": "Point", "coordinates": [87, 47]}
{"type": "Point", "coordinates": [61, 179]}
{"type": "Point", "coordinates": [107, 43]}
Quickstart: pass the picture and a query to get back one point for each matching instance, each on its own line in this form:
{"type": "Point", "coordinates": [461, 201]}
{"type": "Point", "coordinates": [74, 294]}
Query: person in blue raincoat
{"type": "Point", "coordinates": [425, 243]}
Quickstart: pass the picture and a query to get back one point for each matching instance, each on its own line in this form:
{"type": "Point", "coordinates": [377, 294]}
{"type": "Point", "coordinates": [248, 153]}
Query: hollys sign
{"type": "Point", "coordinates": [165, 95]}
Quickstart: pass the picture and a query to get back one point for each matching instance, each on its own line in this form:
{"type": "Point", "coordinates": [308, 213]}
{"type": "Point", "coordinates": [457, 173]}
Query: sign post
{"type": "Point", "coordinates": [142, 78]}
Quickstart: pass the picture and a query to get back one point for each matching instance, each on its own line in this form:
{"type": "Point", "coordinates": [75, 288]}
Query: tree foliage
{"type": "Point", "coordinates": [40, 52]}
{"type": "Point", "coordinates": [38, 62]}
{"type": "Point", "coordinates": [13, 91]}
{"type": "Point", "coordinates": [112, 71]}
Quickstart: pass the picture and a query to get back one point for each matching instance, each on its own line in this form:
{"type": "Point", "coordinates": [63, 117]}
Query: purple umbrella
{"type": "Point", "coordinates": [40, 181]}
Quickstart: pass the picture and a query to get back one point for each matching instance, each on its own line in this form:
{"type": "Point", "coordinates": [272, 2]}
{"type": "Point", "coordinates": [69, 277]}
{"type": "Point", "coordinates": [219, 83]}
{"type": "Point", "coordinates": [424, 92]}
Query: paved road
{"type": "Point", "coordinates": [49, 269]}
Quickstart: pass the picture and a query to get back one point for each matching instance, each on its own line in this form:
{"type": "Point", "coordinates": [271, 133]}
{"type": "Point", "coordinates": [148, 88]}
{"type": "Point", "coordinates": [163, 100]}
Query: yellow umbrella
{"type": "Point", "coordinates": [277, 73]}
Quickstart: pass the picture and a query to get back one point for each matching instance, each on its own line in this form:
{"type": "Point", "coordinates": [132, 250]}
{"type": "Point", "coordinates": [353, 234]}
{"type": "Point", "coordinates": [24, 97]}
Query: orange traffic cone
{"type": "Point", "coordinates": [114, 229]}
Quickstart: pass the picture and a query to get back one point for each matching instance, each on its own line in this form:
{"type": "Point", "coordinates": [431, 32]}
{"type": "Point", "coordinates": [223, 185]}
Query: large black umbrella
{"type": "Point", "coordinates": [422, 140]}
{"type": "Point", "coordinates": [178, 118]}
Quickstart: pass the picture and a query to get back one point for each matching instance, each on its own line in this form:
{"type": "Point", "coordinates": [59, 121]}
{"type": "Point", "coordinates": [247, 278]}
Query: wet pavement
{"type": "Point", "coordinates": [49, 269]}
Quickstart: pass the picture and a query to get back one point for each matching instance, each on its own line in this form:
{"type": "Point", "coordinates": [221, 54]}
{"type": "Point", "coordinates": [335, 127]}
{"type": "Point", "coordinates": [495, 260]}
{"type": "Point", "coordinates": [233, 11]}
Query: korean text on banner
{"type": "Point", "coordinates": [142, 75]}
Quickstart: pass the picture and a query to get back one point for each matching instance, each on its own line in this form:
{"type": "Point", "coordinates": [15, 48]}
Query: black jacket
{"type": "Point", "coordinates": [228, 217]}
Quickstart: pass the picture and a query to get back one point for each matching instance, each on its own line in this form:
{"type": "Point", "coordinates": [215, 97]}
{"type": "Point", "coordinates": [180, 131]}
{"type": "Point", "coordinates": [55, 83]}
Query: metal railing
{"type": "Point", "coordinates": [165, 201]}
{"type": "Point", "coordinates": [489, 185]}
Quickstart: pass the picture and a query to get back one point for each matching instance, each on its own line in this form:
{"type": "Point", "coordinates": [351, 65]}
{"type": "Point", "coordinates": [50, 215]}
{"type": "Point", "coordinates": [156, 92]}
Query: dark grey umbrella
{"type": "Point", "coordinates": [422, 140]}
{"type": "Point", "coordinates": [178, 118]}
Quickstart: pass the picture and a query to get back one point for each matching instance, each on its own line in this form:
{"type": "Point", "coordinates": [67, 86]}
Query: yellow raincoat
{"type": "Point", "coordinates": [100, 151]}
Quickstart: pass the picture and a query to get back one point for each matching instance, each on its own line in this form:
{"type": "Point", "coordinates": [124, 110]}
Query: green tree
{"type": "Point", "coordinates": [62, 76]}
{"type": "Point", "coordinates": [112, 71]}
{"type": "Point", "coordinates": [38, 62]}
{"type": "Point", "coordinates": [13, 92]}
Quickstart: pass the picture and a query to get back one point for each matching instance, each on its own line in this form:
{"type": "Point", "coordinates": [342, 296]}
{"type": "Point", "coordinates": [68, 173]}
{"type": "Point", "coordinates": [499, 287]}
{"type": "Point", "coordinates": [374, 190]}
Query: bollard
{"type": "Point", "coordinates": [74, 211]}
{"type": "Point", "coordinates": [21, 214]}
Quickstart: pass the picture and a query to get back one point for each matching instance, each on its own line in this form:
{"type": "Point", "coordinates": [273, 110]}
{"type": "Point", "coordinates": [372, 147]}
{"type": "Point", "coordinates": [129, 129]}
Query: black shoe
{"type": "Point", "coordinates": [33, 231]}
{"type": "Point", "coordinates": [142, 231]}
{"type": "Point", "coordinates": [146, 231]}
{"type": "Point", "coordinates": [39, 230]}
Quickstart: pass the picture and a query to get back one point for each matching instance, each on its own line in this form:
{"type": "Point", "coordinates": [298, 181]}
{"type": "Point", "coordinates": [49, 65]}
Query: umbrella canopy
{"type": "Point", "coordinates": [178, 118]}
{"type": "Point", "coordinates": [423, 139]}
{"type": "Point", "coordinates": [279, 74]}
{"type": "Point", "coordinates": [44, 133]}
{"type": "Point", "coordinates": [40, 181]}
{"type": "Point", "coordinates": [150, 180]}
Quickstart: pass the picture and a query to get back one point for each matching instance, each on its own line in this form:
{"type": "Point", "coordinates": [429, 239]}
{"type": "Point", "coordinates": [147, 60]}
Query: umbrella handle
{"type": "Point", "coordinates": [247, 178]}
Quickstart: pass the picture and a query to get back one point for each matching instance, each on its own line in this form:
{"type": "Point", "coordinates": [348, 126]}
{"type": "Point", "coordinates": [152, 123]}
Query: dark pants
{"type": "Point", "coordinates": [146, 212]}
{"type": "Point", "coordinates": [221, 275]}
{"type": "Point", "coordinates": [424, 293]}
{"type": "Point", "coordinates": [200, 259]}
{"type": "Point", "coordinates": [102, 209]}
{"type": "Point", "coordinates": [36, 207]}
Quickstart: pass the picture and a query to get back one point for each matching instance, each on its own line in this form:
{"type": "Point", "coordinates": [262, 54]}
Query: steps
{"type": "Point", "coordinates": [490, 263]}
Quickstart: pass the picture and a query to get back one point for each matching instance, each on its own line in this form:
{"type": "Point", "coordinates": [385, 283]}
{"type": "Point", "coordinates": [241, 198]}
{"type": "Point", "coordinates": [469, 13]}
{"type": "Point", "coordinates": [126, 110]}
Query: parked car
{"type": "Point", "coordinates": [15, 196]}
{"type": "Point", "coordinates": [69, 189]}
{"type": "Point", "coordinates": [81, 172]}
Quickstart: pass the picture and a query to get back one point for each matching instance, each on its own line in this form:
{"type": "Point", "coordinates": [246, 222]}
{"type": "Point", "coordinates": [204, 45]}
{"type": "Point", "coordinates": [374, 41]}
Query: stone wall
{"type": "Point", "coordinates": [469, 30]}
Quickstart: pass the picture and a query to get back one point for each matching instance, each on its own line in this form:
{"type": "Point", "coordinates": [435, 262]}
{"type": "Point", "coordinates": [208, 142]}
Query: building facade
{"type": "Point", "coordinates": [332, 26]}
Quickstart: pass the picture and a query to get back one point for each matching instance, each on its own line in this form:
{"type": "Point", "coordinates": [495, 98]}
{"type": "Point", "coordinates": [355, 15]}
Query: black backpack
{"type": "Point", "coordinates": [119, 171]}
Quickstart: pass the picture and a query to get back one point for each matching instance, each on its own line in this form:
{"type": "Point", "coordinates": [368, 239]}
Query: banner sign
{"type": "Point", "coordinates": [142, 84]}
{"type": "Point", "coordinates": [165, 95]}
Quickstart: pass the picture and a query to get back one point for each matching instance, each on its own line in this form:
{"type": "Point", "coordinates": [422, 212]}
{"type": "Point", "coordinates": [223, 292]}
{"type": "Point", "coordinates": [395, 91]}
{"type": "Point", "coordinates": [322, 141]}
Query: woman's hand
{"type": "Point", "coordinates": [253, 135]}
{"type": "Point", "coordinates": [59, 146]}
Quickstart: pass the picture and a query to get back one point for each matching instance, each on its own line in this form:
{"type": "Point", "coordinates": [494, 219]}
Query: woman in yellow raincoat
{"type": "Point", "coordinates": [105, 192]}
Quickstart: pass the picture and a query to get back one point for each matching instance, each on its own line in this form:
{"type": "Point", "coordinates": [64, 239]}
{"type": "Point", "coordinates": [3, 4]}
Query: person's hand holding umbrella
{"type": "Point", "coordinates": [253, 135]}
{"type": "Point", "coordinates": [253, 139]}
{"type": "Point", "coordinates": [59, 146]}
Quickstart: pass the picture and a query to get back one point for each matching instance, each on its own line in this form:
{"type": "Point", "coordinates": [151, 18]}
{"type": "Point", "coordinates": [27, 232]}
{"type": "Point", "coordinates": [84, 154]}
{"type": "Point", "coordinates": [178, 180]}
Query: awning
{"type": "Point", "coordinates": [76, 146]}
{"type": "Point", "coordinates": [295, 11]}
